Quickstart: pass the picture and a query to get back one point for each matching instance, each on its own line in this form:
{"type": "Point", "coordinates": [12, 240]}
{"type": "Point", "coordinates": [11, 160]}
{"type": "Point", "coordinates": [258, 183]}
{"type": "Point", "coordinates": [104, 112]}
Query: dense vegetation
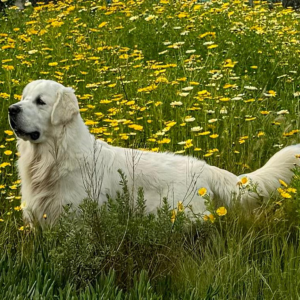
{"type": "Point", "coordinates": [216, 80]}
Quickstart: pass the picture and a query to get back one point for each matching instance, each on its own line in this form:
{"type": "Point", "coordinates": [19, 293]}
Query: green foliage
{"type": "Point", "coordinates": [118, 252]}
{"type": "Point", "coordinates": [116, 236]}
{"type": "Point", "coordinates": [235, 71]}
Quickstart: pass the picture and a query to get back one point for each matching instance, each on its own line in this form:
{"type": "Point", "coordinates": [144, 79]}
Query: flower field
{"type": "Point", "coordinates": [216, 80]}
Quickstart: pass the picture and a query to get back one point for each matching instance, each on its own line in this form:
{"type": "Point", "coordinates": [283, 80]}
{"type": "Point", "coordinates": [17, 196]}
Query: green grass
{"type": "Point", "coordinates": [130, 63]}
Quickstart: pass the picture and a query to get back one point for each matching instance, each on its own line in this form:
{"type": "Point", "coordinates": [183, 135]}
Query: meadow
{"type": "Point", "coordinates": [215, 80]}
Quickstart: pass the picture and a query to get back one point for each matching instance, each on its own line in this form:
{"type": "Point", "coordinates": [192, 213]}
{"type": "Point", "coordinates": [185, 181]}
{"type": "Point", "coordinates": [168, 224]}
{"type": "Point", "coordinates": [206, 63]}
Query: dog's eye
{"type": "Point", "coordinates": [39, 101]}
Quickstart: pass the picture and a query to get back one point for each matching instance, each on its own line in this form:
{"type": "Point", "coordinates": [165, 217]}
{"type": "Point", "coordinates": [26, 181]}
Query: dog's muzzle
{"type": "Point", "coordinates": [13, 112]}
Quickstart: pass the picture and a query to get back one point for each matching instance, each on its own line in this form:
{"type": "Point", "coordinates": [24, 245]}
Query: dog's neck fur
{"type": "Point", "coordinates": [45, 166]}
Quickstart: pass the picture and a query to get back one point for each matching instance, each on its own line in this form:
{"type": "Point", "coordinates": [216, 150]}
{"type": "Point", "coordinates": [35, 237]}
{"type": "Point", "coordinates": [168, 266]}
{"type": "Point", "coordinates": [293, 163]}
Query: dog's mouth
{"type": "Point", "coordinates": [34, 135]}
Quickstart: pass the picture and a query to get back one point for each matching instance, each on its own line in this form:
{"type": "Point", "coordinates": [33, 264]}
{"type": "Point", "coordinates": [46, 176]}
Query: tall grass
{"type": "Point", "coordinates": [216, 80]}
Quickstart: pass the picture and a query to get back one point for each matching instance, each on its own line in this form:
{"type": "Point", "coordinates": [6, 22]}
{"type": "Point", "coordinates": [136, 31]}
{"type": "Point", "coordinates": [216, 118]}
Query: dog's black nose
{"type": "Point", "coordinates": [14, 109]}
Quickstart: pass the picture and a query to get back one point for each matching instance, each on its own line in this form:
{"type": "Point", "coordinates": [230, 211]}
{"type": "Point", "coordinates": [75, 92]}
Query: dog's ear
{"type": "Point", "coordinates": [65, 107]}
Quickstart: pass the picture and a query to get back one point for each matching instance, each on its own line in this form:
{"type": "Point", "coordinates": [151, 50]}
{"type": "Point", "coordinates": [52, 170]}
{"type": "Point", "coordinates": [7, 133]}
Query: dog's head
{"type": "Point", "coordinates": [44, 106]}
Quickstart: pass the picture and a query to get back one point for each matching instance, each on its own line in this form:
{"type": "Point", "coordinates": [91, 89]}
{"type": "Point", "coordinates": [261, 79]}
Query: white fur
{"type": "Point", "coordinates": [66, 164]}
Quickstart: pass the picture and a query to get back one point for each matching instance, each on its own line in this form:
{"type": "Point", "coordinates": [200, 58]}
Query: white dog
{"type": "Point", "coordinates": [61, 163]}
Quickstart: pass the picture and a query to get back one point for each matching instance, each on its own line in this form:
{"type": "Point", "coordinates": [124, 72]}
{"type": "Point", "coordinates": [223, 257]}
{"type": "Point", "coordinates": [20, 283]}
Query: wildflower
{"type": "Point", "coordinates": [190, 51]}
{"type": "Point", "coordinates": [9, 132]}
{"type": "Point", "coordinates": [212, 46]}
{"type": "Point", "coordinates": [45, 216]}
{"type": "Point", "coordinates": [102, 24]}
{"type": "Point", "coordinates": [204, 133]}
{"type": "Point", "coordinates": [214, 136]}
{"type": "Point", "coordinates": [265, 112]}
{"type": "Point", "coordinates": [8, 152]}
{"type": "Point", "coordinates": [202, 191]}
{"type": "Point", "coordinates": [90, 122]}
{"type": "Point", "coordinates": [221, 211]}
{"type": "Point", "coordinates": [133, 18]}
{"type": "Point", "coordinates": [244, 181]}
{"type": "Point", "coordinates": [250, 119]}
{"type": "Point", "coordinates": [176, 103]}
{"type": "Point", "coordinates": [208, 43]}
{"type": "Point", "coordinates": [210, 218]}
{"type": "Point", "coordinates": [17, 208]}
{"type": "Point", "coordinates": [270, 94]}
{"type": "Point", "coordinates": [197, 128]}
{"type": "Point", "coordinates": [223, 110]}
{"type": "Point", "coordinates": [183, 94]}
{"type": "Point", "coordinates": [224, 99]}
{"type": "Point", "coordinates": [291, 190]}
{"type": "Point", "coordinates": [285, 195]}
{"type": "Point", "coordinates": [5, 164]}
{"type": "Point", "coordinates": [173, 215]}
{"type": "Point", "coordinates": [188, 144]}
{"type": "Point", "coordinates": [8, 68]}
{"type": "Point", "coordinates": [189, 119]}
{"type": "Point", "coordinates": [150, 17]}
{"type": "Point", "coordinates": [32, 51]}
{"type": "Point", "coordinates": [136, 127]}
{"type": "Point", "coordinates": [164, 141]}
{"type": "Point", "coordinates": [283, 183]}
{"type": "Point", "coordinates": [283, 112]}
{"type": "Point", "coordinates": [251, 88]}
{"type": "Point", "coordinates": [180, 206]}
{"type": "Point", "coordinates": [21, 228]}
{"type": "Point", "coordinates": [187, 88]}
{"type": "Point", "coordinates": [236, 98]}
{"type": "Point", "coordinates": [261, 133]}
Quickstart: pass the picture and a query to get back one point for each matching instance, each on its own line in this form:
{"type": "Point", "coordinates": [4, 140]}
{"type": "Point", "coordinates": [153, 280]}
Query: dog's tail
{"type": "Point", "coordinates": [266, 179]}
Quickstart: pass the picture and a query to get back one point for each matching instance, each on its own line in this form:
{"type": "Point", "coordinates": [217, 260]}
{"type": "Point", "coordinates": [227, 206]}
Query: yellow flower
{"type": "Point", "coordinates": [204, 133]}
{"type": "Point", "coordinates": [53, 64]}
{"type": "Point", "coordinates": [102, 24]}
{"type": "Point", "coordinates": [283, 183]}
{"type": "Point", "coordinates": [243, 181]}
{"type": "Point", "coordinates": [136, 127]}
{"type": "Point", "coordinates": [213, 136]}
{"type": "Point", "coordinates": [180, 206]}
{"type": "Point", "coordinates": [90, 122]}
{"type": "Point", "coordinates": [209, 217]}
{"type": "Point", "coordinates": [265, 112]}
{"type": "Point", "coordinates": [9, 132]}
{"type": "Point", "coordinates": [7, 152]}
{"type": "Point", "coordinates": [202, 192]}
{"type": "Point", "coordinates": [212, 46]}
{"type": "Point", "coordinates": [272, 93]}
{"type": "Point", "coordinates": [21, 228]}
{"type": "Point", "coordinates": [286, 195]}
{"type": "Point", "coordinates": [45, 216]}
{"type": "Point", "coordinates": [291, 190]}
{"type": "Point", "coordinates": [8, 68]}
{"type": "Point", "coordinates": [164, 141]}
{"type": "Point", "coordinates": [17, 208]}
{"type": "Point", "coordinates": [173, 216]}
{"type": "Point", "coordinates": [221, 211]}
